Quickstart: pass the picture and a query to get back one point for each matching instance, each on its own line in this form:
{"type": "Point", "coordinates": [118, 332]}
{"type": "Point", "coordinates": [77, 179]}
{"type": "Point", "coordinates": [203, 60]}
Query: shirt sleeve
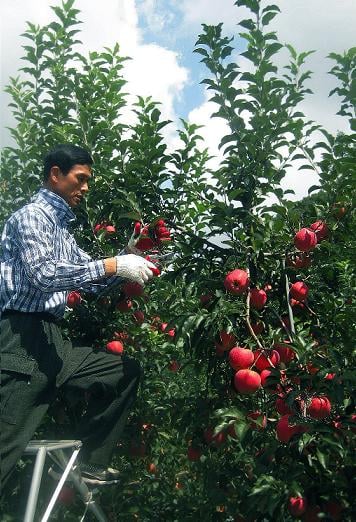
{"type": "Point", "coordinates": [45, 268]}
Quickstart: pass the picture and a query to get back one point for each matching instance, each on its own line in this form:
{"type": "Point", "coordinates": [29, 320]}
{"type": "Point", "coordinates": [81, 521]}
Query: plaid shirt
{"type": "Point", "coordinates": [41, 262]}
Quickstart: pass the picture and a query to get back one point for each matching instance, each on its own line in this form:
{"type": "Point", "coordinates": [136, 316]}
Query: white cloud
{"type": "Point", "coordinates": [153, 71]}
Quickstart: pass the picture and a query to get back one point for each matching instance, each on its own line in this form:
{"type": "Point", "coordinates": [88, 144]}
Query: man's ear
{"type": "Point", "coordinates": [54, 174]}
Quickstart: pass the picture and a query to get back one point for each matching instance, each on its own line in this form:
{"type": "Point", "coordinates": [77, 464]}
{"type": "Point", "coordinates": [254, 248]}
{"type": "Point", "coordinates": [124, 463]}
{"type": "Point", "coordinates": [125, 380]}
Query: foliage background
{"type": "Point", "coordinates": [68, 97]}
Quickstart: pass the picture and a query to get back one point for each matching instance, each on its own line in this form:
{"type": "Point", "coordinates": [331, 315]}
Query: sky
{"type": "Point", "coordinates": [159, 36]}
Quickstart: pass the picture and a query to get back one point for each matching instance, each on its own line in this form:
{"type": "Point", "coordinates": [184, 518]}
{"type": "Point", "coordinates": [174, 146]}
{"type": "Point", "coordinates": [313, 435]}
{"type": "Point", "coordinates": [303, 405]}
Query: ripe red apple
{"type": "Point", "coordinates": [297, 506]}
{"type": "Point", "coordinates": [215, 440]}
{"type": "Point", "coordinates": [155, 271]}
{"type": "Point", "coordinates": [257, 327]}
{"type": "Point", "coordinates": [282, 407]}
{"type": "Point", "coordinates": [261, 359]}
{"type": "Point", "coordinates": [285, 431]}
{"type": "Point", "coordinates": [137, 228]}
{"type": "Point", "coordinates": [305, 240]}
{"type": "Point", "coordinates": [227, 340]}
{"type": "Point", "coordinates": [299, 291]}
{"type": "Point", "coordinates": [66, 495]}
{"type": "Point", "coordinates": [311, 514]}
{"type": "Point", "coordinates": [132, 289]}
{"type": "Point", "coordinates": [137, 449]}
{"type": "Point", "coordinates": [257, 420]}
{"type": "Point", "coordinates": [170, 333]}
{"type": "Point", "coordinates": [286, 353]}
{"type": "Point", "coordinates": [334, 510]}
{"type": "Point", "coordinates": [138, 316]}
{"type": "Point", "coordinates": [258, 298]}
{"type": "Point", "coordinates": [300, 260]}
{"type": "Point", "coordinates": [124, 306]}
{"type": "Point", "coordinates": [193, 454]}
{"type": "Point", "coordinates": [319, 407]}
{"type": "Point", "coordinates": [240, 358]}
{"type": "Point", "coordinates": [110, 229]}
{"type": "Point", "coordinates": [174, 366]}
{"type": "Point", "coordinates": [264, 378]}
{"type": "Point", "coordinates": [247, 381]}
{"type": "Point", "coordinates": [321, 230]}
{"type": "Point", "coordinates": [236, 282]}
{"type": "Point", "coordinates": [74, 299]}
{"type": "Point", "coordinates": [115, 347]}
{"type": "Point", "coordinates": [152, 468]}
{"type": "Point", "coordinates": [145, 243]}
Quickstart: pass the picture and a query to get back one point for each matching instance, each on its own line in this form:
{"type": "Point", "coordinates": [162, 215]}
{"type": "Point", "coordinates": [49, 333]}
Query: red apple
{"type": "Point", "coordinates": [66, 495]}
{"type": "Point", "coordinates": [138, 316]}
{"type": "Point", "coordinates": [124, 306]}
{"type": "Point", "coordinates": [299, 291]}
{"type": "Point", "coordinates": [285, 431]}
{"type": "Point", "coordinates": [132, 289]}
{"type": "Point", "coordinates": [257, 327]}
{"type": "Point", "coordinates": [282, 407]}
{"type": "Point", "coordinates": [227, 340]}
{"type": "Point", "coordinates": [319, 407]}
{"type": "Point", "coordinates": [155, 271]}
{"type": "Point", "coordinates": [297, 506]}
{"type": "Point", "coordinates": [321, 230]}
{"type": "Point", "coordinates": [115, 347]}
{"type": "Point", "coordinates": [145, 243]}
{"type": "Point", "coordinates": [247, 381]}
{"type": "Point", "coordinates": [236, 282]}
{"type": "Point", "coordinates": [258, 298]}
{"type": "Point", "coordinates": [215, 440]}
{"type": "Point", "coordinates": [110, 229]}
{"type": "Point", "coordinates": [240, 358]}
{"type": "Point", "coordinates": [73, 299]}
{"type": "Point", "coordinates": [286, 353]}
{"type": "Point", "coordinates": [257, 420]}
{"type": "Point", "coordinates": [305, 240]}
{"type": "Point", "coordinates": [193, 454]}
{"type": "Point", "coordinates": [267, 359]}
{"type": "Point", "coordinates": [170, 333]}
{"type": "Point", "coordinates": [174, 366]}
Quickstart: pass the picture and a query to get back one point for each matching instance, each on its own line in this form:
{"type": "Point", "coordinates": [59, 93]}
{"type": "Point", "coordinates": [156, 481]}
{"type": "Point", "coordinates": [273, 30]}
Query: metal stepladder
{"type": "Point", "coordinates": [55, 449]}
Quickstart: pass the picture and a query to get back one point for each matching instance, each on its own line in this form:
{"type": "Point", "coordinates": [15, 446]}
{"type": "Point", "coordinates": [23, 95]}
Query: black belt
{"type": "Point", "coordinates": [44, 316]}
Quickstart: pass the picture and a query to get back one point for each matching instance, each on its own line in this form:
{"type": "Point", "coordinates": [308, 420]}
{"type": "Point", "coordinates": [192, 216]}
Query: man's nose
{"type": "Point", "coordinates": [85, 187]}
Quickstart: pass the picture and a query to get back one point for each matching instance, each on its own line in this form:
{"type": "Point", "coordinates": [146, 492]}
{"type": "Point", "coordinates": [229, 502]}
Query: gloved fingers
{"type": "Point", "coordinates": [149, 264]}
{"type": "Point", "coordinates": [147, 273]}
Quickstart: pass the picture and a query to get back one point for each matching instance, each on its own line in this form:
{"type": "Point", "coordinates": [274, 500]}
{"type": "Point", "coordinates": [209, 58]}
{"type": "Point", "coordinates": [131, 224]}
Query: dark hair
{"type": "Point", "coordinates": [65, 156]}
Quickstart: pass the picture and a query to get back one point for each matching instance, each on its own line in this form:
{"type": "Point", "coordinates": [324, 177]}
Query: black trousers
{"type": "Point", "coordinates": [36, 362]}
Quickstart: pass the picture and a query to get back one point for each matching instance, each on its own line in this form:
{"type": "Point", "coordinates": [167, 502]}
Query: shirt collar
{"type": "Point", "coordinates": [60, 207]}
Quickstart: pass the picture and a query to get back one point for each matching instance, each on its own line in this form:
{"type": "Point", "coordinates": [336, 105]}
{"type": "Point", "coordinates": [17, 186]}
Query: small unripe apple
{"type": "Point", "coordinates": [297, 506]}
{"type": "Point", "coordinates": [247, 381]}
{"type": "Point", "coordinates": [236, 282]}
{"type": "Point", "coordinates": [299, 291]}
{"type": "Point", "coordinates": [115, 347]}
{"type": "Point", "coordinates": [305, 240]}
{"type": "Point", "coordinates": [321, 230]}
{"type": "Point", "coordinates": [240, 358]}
{"type": "Point", "coordinates": [152, 468]}
{"type": "Point", "coordinates": [258, 298]}
{"type": "Point", "coordinates": [73, 299]}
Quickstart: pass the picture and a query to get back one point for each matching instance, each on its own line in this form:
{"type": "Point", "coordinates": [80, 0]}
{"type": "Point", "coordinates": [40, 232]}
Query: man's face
{"type": "Point", "coordinates": [73, 186]}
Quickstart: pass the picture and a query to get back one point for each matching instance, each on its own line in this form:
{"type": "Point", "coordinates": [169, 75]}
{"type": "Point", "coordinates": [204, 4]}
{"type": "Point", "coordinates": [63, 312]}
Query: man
{"type": "Point", "coordinates": [40, 264]}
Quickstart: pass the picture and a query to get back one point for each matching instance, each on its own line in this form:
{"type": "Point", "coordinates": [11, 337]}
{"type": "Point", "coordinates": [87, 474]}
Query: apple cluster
{"type": "Point", "coordinates": [153, 235]}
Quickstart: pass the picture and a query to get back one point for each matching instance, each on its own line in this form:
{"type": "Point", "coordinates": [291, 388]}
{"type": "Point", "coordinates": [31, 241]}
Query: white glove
{"type": "Point", "coordinates": [135, 268]}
